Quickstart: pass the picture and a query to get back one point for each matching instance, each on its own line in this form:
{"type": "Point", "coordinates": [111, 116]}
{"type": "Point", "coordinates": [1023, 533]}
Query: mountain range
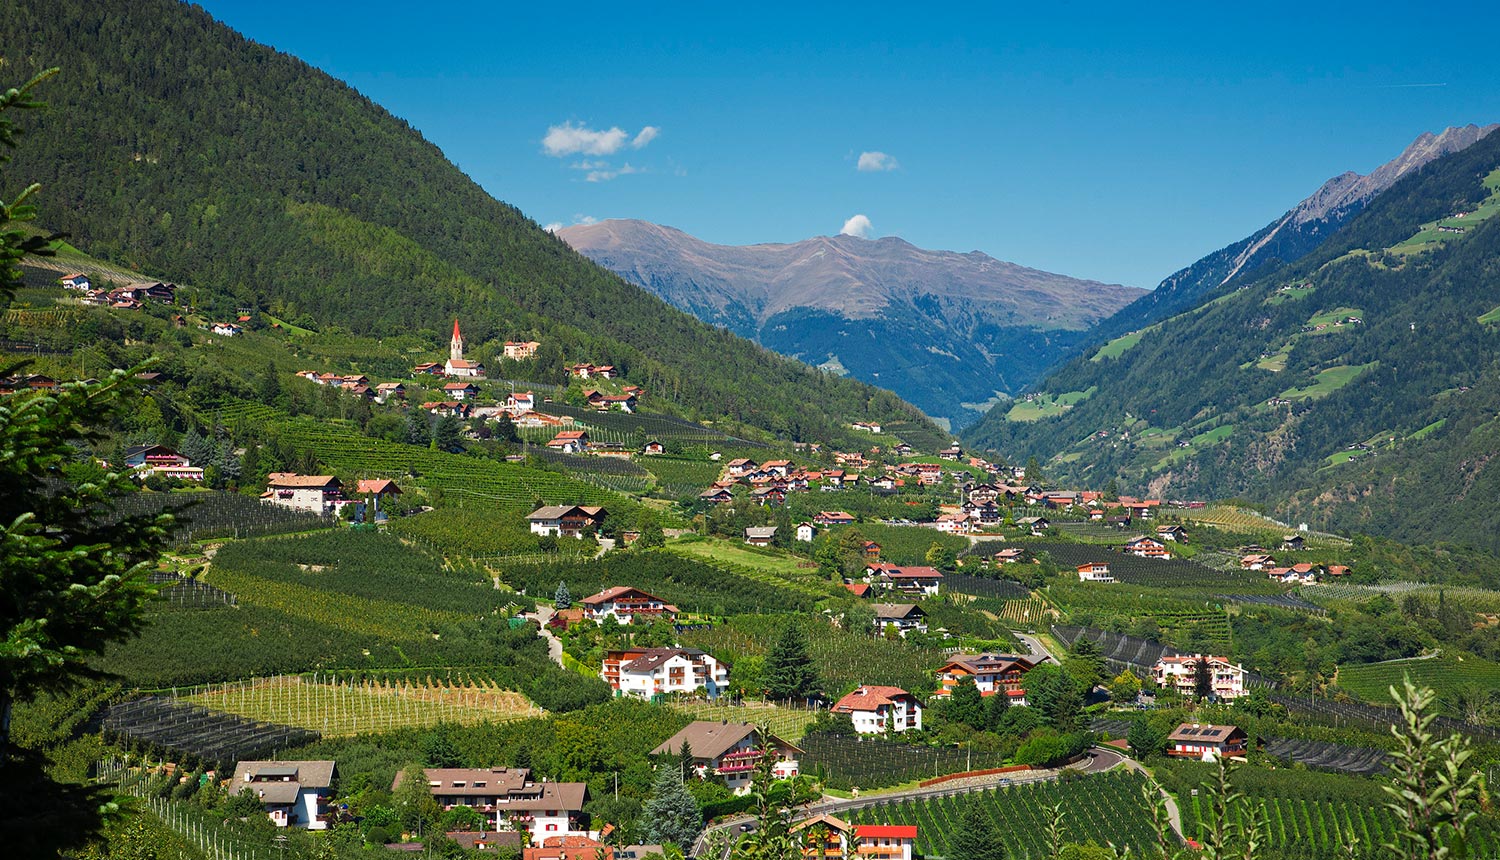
{"type": "Point", "coordinates": [947, 331]}
{"type": "Point", "coordinates": [1354, 388]}
{"type": "Point", "coordinates": [176, 146]}
{"type": "Point", "coordinates": [1290, 237]}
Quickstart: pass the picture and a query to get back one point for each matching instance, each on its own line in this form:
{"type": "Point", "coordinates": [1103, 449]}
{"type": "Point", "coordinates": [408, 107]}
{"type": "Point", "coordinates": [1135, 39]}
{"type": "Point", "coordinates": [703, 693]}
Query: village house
{"type": "Point", "coordinates": [378, 490]}
{"type": "Point", "coordinates": [731, 751]}
{"type": "Point", "coordinates": [1298, 574]}
{"type": "Point", "coordinates": [541, 809]}
{"type": "Point", "coordinates": [871, 550]}
{"type": "Point", "coordinates": [316, 493]}
{"type": "Point", "coordinates": [1257, 561]}
{"type": "Point", "coordinates": [956, 524]}
{"type": "Point", "coordinates": [832, 518]}
{"type": "Point", "coordinates": [779, 468]}
{"type": "Point", "coordinates": [952, 452]}
{"type": "Point", "coordinates": [518, 402]}
{"type": "Point", "coordinates": [833, 480]}
{"type": "Point", "coordinates": [1294, 543]}
{"type": "Point", "coordinates": [224, 329]}
{"type": "Point", "coordinates": [1177, 534]}
{"type": "Point", "coordinates": [1096, 571]}
{"type": "Point", "coordinates": [867, 426]}
{"type": "Point", "coordinates": [428, 368]}
{"type": "Point", "coordinates": [901, 449]}
{"type": "Point", "coordinates": [772, 495]}
{"type": "Point", "coordinates": [992, 673]}
{"type": "Point", "coordinates": [387, 391]}
{"type": "Point", "coordinates": [760, 535]}
{"type": "Point", "coordinates": [1206, 742]}
{"type": "Point", "coordinates": [904, 618]}
{"type": "Point", "coordinates": [741, 466]}
{"type": "Point", "coordinates": [914, 581]}
{"type": "Point", "coordinates": [294, 793]}
{"type": "Point", "coordinates": [1010, 555]}
{"type": "Point", "coordinates": [625, 604]}
{"type": "Point", "coordinates": [716, 496]}
{"type": "Point", "coordinates": [1037, 526]}
{"type": "Point", "coordinates": [520, 350]}
{"type": "Point", "coordinates": [606, 402]}
{"type": "Point", "coordinates": [806, 532]}
{"type": "Point", "coordinates": [75, 281]}
{"type": "Point", "coordinates": [1180, 672]}
{"type": "Point", "coordinates": [577, 847]}
{"type": "Point", "coordinates": [456, 365]}
{"type": "Point", "coordinates": [461, 390]}
{"type": "Point", "coordinates": [876, 710]}
{"type": "Point", "coordinates": [1145, 547]}
{"type": "Point", "coordinates": [827, 837]}
{"type": "Point", "coordinates": [570, 442]}
{"type": "Point", "coordinates": [565, 520]}
{"type": "Point", "coordinates": [147, 457]}
{"type": "Point", "coordinates": [649, 672]}
{"type": "Point", "coordinates": [653, 447]}
{"type": "Point", "coordinates": [981, 494]}
{"type": "Point", "coordinates": [442, 408]}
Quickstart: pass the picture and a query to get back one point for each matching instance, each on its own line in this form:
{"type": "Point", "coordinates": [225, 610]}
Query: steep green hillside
{"type": "Point", "coordinates": [1355, 388]}
{"type": "Point", "coordinates": [177, 146]}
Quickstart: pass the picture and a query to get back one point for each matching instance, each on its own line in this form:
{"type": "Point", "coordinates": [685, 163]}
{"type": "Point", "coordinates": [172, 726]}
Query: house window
{"type": "Point", "coordinates": [551, 827]}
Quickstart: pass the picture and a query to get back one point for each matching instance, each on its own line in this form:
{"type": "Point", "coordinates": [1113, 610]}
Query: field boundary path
{"type": "Point", "coordinates": [1099, 760]}
{"type": "Point", "coordinates": [541, 616]}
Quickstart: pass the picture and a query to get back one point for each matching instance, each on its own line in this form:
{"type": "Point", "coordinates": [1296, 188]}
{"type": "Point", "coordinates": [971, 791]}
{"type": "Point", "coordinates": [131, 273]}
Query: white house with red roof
{"type": "Point", "coordinates": [570, 442]}
{"type": "Point", "coordinates": [828, 837]}
{"type": "Point", "coordinates": [1095, 571]}
{"type": "Point", "coordinates": [876, 710]}
{"type": "Point", "coordinates": [915, 581]}
{"type": "Point", "coordinates": [316, 493]}
{"type": "Point", "coordinates": [1146, 547]}
{"type": "Point", "coordinates": [520, 350]}
{"type": "Point", "coordinates": [625, 604]}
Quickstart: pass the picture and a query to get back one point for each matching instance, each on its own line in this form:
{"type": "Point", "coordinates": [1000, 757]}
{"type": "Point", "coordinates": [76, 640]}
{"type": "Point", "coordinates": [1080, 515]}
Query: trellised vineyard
{"type": "Point", "coordinates": [847, 763]}
{"type": "Point", "coordinates": [208, 515]}
{"type": "Point", "coordinates": [1107, 808]}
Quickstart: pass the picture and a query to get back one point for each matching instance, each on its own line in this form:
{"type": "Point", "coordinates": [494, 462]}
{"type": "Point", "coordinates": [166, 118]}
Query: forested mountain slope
{"type": "Point", "coordinates": [1288, 238]}
{"type": "Point", "coordinates": [944, 330]}
{"type": "Point", "coordinates": [1358, 387]}
{"type": "Point", "coordinates": [175, 145]}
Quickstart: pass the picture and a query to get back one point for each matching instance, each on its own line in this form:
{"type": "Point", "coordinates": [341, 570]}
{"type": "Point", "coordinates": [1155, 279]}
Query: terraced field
{"type": "Point", "coordinates": [1449, 676]}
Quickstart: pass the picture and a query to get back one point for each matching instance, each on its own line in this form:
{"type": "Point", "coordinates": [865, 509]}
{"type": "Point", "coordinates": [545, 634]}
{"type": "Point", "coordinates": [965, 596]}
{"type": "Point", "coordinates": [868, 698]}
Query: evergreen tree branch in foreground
{"type": "Point", "coordinates": [14, 242]}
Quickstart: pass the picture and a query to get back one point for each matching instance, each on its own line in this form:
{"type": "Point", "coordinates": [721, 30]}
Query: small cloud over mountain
{"type": "Point", "coordinates": [859, 225]}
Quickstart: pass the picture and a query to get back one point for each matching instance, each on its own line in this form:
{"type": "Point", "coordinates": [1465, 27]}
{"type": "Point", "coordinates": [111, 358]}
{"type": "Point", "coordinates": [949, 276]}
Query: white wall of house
{"type": "Point", "coordinates": [902, 716]}
{"type": "Point", "coordinates": [300, 498]}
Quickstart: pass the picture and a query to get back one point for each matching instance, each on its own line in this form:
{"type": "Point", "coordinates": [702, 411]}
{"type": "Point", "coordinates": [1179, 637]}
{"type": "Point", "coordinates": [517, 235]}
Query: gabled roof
{"type": "Point", "coordinates": [868, 697]}
{"type": "Point", "coordinates": [885, 831]}
{"type": "Point", "coordinates": [915, 573]}
{"type": "Point", "coordinates": [308, 774]}
{"type": "Point", "coordinates": [898, 611]}
{"type": "Point", "coordinates": [290, 481]}
{"type": "Point", "coordinates": [983, 663]}
{"type": "Point", "coordinates": [1200, 732]}
{"type": "Point", "coordinates": [615, 593]}
{"type": "Point", "coordinates": [378, 487]}
{"type": "Point", "coordinates": [652, 658]}
{"type": "Point", "coordinates": [557, 512]}
{"type": "Point", "coordinates": [760, 532]}
{"type": "Point", "coordinates": [710, 739]}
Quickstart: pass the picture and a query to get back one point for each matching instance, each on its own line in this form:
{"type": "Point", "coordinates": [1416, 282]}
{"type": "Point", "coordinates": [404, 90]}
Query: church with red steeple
{"type": "Point", "coordinates": [456, 365]}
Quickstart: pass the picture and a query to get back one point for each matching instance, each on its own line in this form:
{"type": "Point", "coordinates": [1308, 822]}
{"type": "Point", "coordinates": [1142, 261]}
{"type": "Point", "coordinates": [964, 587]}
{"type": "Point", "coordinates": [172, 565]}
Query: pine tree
{"type": "Point", "coordinates": [966, 705]}
{"type": "Point", "coordinates": [976, 837]}
{"type": "Point", "coordinates": [561, 598]}
{"type": "Point", "coordinates": [790, 674]}
{"type": "Point", "coordinates": [445, 435]}
{"type": "Point", "coordinates": [685, 760]}
{"type": "Point", "coordinates": [417, 430]}
{"type": "Point", "coordinates": [671, 815]}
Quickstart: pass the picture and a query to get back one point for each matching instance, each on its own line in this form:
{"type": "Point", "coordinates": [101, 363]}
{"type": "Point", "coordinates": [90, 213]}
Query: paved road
{"type": "Point", "coordinates": [1174, 815]}
{"type": "Point", "coordinates": [541, 616]}
{"type": "Point", "coordinates": [1100, 759]}
{"type": "Point", "coordinates": [1033, 644]}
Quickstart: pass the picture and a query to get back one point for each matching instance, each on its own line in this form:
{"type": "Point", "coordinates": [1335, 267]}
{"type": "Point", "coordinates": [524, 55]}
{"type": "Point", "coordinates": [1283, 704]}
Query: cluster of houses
{"type": "Point", "coordinates": [324, 494]}
{"type": "Point", "coordinates": [1259, 558]}
{"type": "Point", "coordinates": [123, 298]}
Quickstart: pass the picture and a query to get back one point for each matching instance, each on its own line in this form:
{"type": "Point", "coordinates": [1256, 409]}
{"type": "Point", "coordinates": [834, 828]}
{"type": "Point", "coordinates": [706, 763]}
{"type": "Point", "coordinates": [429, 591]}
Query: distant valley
{"type": "Point", "coordinates": [947, 331]}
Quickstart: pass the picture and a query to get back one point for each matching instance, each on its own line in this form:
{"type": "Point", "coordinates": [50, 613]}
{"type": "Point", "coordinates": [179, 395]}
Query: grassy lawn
{"type": "Point", "coordinates": [1118, 346]}
{"type": "Point", "coordinates": [1290, 295]}
{"type": "Point", "coordinates": [347, 709]}
{"type": "Point", "coordinates": [1047, 406]}
{"type": "Point", "coordinates": [1432, 233]}
{"type": "Point", "coordinates": [1429, 429]}
{"type": "Point", "coordinates": [1214, 436]}
{"type": "Point", "coordinates": [1343, 457]}
{"type": "Point", "coordinates": [1327, 382]}
{"type": "Point", "coordinates": [1276, 361]}
{"type": "Point", "coordinates": [1491, 318]}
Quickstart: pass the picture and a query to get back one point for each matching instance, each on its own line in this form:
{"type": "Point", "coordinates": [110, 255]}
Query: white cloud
{"type": "Point", "coordinates": [645, 136]}
{"type": "Point", "coordinates": [606, 175]}
{"type": "Point", "coordinates": [578, 139]}
{"type": "Point", "coordinates": [585, 219]}
{"type": "Point", "coordinates": [553, 227]}
{"type": "Point", "coordinates": [859, 226]}
{"type": "Point", "coordinates": [875, 162]}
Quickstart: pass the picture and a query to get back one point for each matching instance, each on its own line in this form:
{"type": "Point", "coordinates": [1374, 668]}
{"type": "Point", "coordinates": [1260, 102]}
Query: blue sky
{"type": "Point", "coordinates": [1111, 141]}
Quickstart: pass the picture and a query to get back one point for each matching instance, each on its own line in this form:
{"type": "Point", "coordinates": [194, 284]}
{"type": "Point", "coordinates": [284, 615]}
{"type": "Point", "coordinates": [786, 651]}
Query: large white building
{"type": "Point", "coordinates": [293, 792]}
{"type": "Point", "coordinates": [649, 672]}
{"type": "Point", "coordinates": [542, 809]}
{"type": "Point", "coordinates": [624, 604]}
{"type": "Point", "coordinates": [876, 710]}
{"type": "Point", "coordinates": [316, 493]}
{"type": "Point", "coordinates": [1180, 672]}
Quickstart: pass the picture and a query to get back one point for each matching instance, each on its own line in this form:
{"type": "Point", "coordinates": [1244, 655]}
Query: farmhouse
{"type": "Point", "coordinates": [294, 793]}
{"type": "Point", "coordinates": [1145, 547]}
{"type": "Point", "coordinates": [461, 390]}
{"type": "Point", "coordinates": [224, 329]}
{"type": "Point", "coordinates": [731, 750]}
{"type": "Point", "coordinates": [1095, 571]}
{"type": "Point", "coordinates": [904, 617]}
{"type": "Point", "coordinates": [760, 535]}
{"type": "Point", "coordinates": [1036, 525]}
{"type": "Point", "coordinates": [832, 518]}
{"type": "Point", "coordinates": [75, 281]}
{"type": "Point", "coordinates": [806, 532]}
{"type": "Point", "coordinates": [378, 490]}
{"type": "Point", "coordinates": [914, 581]}
{"type": "Point", "coordinates": [570, 441]}
{"type": "Point", "coordinates": [1010, 555]}
{"type": "Point", "coordinates": [653, 447]}
{"type": "Point", "coordinates": [952, 452]}
{"type": "Point", "coordinates": [1293, 542]}
{"type": "Point", "coordinates": [992, 673]}
{"type": "Point", "coordinates": [1226, 679]}
{"type": "Point", "coordinates": [1257, 561]}
{"type": "Point", "coordinates": [1298, 574]}
{"type": "Point", "coordinates": [876, 710]}
{"type": "Point", "coordinates": [956, 524]}
{"type": "Point", "coordinates": [565, 520]}
{"type": "Point", "coordinates": [579, 847]}
{"type": "Point", "coordinates": [649, 672]}
{"type": "Point", "coordinates": [541, 808]}
{"type": "Point", "coordinates": [316, 493]}
{"type": "Point", "coordinates": [1176, 534]}
{"type": "Point", "coordinates": [624, 604]}
{"type": "Point", "coordinates": [741, 466]}
{"type": "Point", "coordinates": [828, 837]}
{"type": "Point", "coordinates": [1206, 742]}
{"type": "Point", "coordinates": [388, 390]}
{"type": "Point", "coordinates": [715, 496]}
{"type": "Point", "coordinates": [146, 457]}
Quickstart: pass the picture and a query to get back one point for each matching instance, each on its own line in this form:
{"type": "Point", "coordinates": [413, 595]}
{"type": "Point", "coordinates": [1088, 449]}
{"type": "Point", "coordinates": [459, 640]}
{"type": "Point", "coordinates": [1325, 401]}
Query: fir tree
{"type": "Point", "coordinates": [966, 705]}
{"type": "Point", "coordinates": [671, 815]}
{"type": "Point", "coordinates": [976, 837]}
{"type": "Point", "coordinates": [561, 598]}
{"type": "Point", "coordinates": [1203, 680]}
{"type": "Point", "coordinates": [790, 674]}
